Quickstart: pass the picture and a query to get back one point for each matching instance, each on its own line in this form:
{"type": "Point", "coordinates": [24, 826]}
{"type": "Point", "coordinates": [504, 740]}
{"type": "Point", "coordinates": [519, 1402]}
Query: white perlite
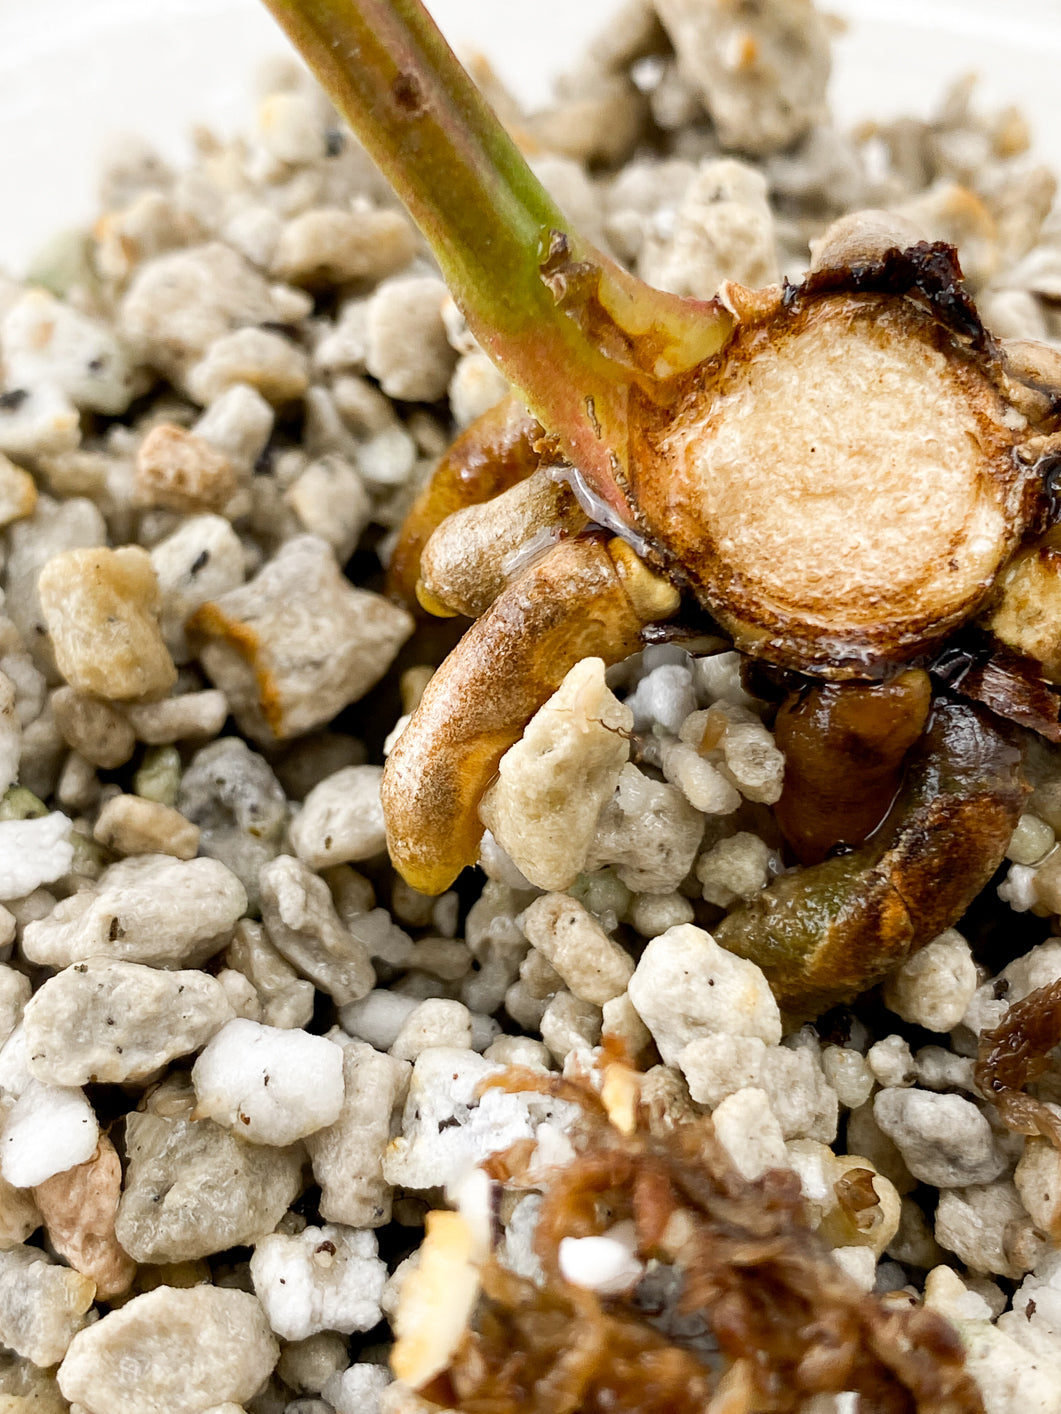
{"type": "Point", "coordinates": [171, 1351]}
{"type": "Point", "coordinates": [944, 1139]}
{"type": "Point", "coordinates": [298, 643]}
{"type": "Point", "coordinates": [149, 908]}
{"type": "Point", "coordinates": [341, 819]}
{"type": "Point", "coordinates": [551, 785]}
{"type": "Point", "coordinates": [324, 1279]}
{"type": "Point", "coordinates": [49, 1129]}
{"type": "Point", "coordinates": [934, 987]}
{"type": "Point", "coordinates": [114, 1022]}
{"type": "Point", "coordinates": [685, 986]}
{"type": "Point", "coordinates": [42, 1305]}
{"type": "Point", "coordinates": [270, 1086]}
{"type": "Point", "coordinates": [34, 852]}
{"type": "Point", "coordinates": [446, 1127]}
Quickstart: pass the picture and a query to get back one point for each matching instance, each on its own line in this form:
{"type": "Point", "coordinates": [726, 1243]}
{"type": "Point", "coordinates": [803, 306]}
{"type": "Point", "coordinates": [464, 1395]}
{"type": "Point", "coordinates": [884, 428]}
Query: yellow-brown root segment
{"type": "Point", "coordinates": [588, 596]}
{"type": "Point", "coordinates": [827, 933]}
{"type": "Point", "coordinates": [498, 450]}
{"type": "Point", "coordinates": [788, 1322]}
{"type": "Point", "coordinates": [844, 745]}
{"type": "Point", "coordinates": [840, 485]}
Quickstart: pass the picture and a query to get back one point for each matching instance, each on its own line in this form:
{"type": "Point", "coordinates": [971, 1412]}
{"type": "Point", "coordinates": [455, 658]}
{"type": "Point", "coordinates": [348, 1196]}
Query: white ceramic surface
{"type": "Point", "coordinates": [73, 71]}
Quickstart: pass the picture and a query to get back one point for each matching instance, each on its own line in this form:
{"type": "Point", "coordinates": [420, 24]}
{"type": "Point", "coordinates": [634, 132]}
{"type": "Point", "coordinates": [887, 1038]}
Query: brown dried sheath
{"type": "Point", "coordinates": [825, 934]}
{"type": "Point", "coordinates": [572, 604]}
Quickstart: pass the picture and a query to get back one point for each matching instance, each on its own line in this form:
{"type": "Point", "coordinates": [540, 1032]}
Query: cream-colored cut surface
{"type": "Point", "coordinates": [841, 476]}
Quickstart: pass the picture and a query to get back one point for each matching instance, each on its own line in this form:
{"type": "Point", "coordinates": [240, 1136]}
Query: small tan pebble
{"type": "Point", "coordinates": [192, 1188]}
{"type": "Point", "coordinates": [341, 819]}
{"type": "Point", "coordinates": [177, 304]}
{"type": "Point", "coordinates": [408, 351]}
{"type": "Point", "coordinates": [78, 787]}
{"type": "Point", "coordinates": [719, 991]}
{"type": "Point", "coordinates": [847, 1072]}
{"type": "Point", "coordinates": [652, 914]}
{"type": "Point", "coordinates": [201, 560]}
{"type": "Point", "coordinates": [10, 733]}
{"type": "Point", "coordinates": [18, 492]}
{"type": "Point", "coordinates": [519, 1050]}
{"type": "Point", "coordinates": [569, 1023]}
{"type": "Point", "coordinates": [1032, 840]}
{"type": "Point", "coordinates": [335, 247]}
{"type": "Point", "coordinates": [171, 1349]}
{"type": "Point", "coordinates": [298, 643]}
{"type": "Point", "coordinates": [621, 1024]}
{"type": "Point", "coordinates": [593, 966]}
{"type": "Point", "coordinates": [238, 425]}
{"type": "Point", "coordinates": [242, 997]}
{"type": "Point", "coordinates": [48, 342]}
{"type": "Point", "coordinates": [290, 127]}
{"type": "Point", "coordinates": [946, 1293]}
{"type": "Point", "coordinates": [302, 924]}
{"type": "Point", "coordinates": [935, 986]}
{"type": "Point", "coordinates": [129, 824]}
{"type": "Point", "coordinates": [347, 1155]}
{"type": "Point", "coordinates": [891, 1061]}
{"type": "Point", "coordinates": [151, 909]}
{"type": "Point", "coordinates": [735, 868]}
{"type": "Point", "coordinates": [286, 998]}
{"type": "Point", "coordinates": [434, 1022]}
{"type": "Point", "coordinates": [748, 1130]}
{"type": "Point", "coordinates": [180, 718]}
{"type": "Point", "coordinates": [551, 785]}
{"type": "Point", "coordinates": [118, 1022]}
{"type": "Point", "coordinates": [307, 1365]}
{"type": "Point", "coordinates": [176, 469]}
{"type": "Point", "coordinates": [42, 1305]}
{"type": "Point", "coordinates": [257, 358]}
{"type": "Point", "coordinates": [78, 1208]}
{"type": "Point", "coordinates": [475, 387]}
{"type": "Point", "coordinates": [446, 958]}
{"type": "Point", "coordinates": [987, 1228]}
{"type": "Point", "coordinates": [100, 607]}
{"type": "Point", "coordinates": [331, 500]}
{"type": "Point", "coordinates": [93, 728]}
{"type": "Point", "coordinates": [649, 831]}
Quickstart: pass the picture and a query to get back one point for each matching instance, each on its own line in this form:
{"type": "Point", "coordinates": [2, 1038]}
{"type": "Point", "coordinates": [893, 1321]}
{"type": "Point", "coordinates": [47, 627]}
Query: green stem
{"type": "Point", "coordinates": [568, 341]}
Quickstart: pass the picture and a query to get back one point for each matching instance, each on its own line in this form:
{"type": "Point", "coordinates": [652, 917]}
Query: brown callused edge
{"type": "Point", "coordinates": [911, 307]}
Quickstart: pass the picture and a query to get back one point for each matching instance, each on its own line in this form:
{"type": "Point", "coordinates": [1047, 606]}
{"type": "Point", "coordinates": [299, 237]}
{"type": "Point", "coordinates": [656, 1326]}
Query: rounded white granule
{"type": "Point", "coordinates": [270, 1086]}
{"type": "Point", "coordinates": [50, 1129]}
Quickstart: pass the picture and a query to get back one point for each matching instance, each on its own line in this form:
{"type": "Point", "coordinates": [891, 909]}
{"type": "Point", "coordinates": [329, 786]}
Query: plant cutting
{"type": "Point", "coordinates": [841, 474]}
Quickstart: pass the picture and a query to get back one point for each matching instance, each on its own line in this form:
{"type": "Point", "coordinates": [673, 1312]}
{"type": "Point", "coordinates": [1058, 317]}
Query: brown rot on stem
{"type": "Point", "coordinates": [842, 473]}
